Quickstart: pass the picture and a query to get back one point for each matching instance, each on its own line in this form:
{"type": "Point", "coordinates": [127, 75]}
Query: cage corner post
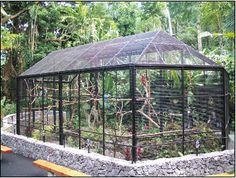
{"type": "Point", "coordinates": [18, 90]}
{"type": "Point", "coordinates": [79, 106]}
{"type": "Point", "coordinates": [42, 107]}
{"type": "Point", "coordinates": [61, 136]}
{"type": "Point", "coordinates": [103, 113]}
{"type": "Point", "coordinates": [33, 100]}
{"type": "Point", "coordinates": [132, 94]}
{"type": "Point", "coordinates": [183, 109]}
{"type": "Point", "coordinates": [70, 99]}
{"type": "Point", "coordinates": [54, 105]}
{"type": "Point", "coordinates": [225, 125]}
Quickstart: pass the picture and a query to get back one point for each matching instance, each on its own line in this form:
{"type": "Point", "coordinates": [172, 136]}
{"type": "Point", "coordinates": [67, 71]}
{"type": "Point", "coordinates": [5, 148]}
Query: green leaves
{"type": "Point", "coordinates": [7, 107]}
{"type": "Point", "coordinates": [109, 83]}
{"type": "Point", "coordinates": [190, 97]}
{"type": "Point", "coordinates": [175, 77]}
{"type": "Point", "coordinates": [8, 39]}
{"type": "Point", "coordinates": [229, 35]}
{"type": "Point", "coordinates": [86, 106]}
{"type": "Point", "coordinates": [198, 79]}
{"type": "Point", "coordinates": [125, 15]}
{"type": "Point", "coordinates": [70, 24]}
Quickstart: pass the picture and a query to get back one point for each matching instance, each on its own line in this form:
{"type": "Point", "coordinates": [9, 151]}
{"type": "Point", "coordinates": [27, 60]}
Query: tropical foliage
{"type": "Point", "coordinates": [30, 30]}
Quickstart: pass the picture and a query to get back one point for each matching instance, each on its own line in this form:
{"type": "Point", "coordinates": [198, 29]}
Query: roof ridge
{"type": "Point", "coordinates": [97, 42]}
{"type": "Point", "coordinates": [141, 55]}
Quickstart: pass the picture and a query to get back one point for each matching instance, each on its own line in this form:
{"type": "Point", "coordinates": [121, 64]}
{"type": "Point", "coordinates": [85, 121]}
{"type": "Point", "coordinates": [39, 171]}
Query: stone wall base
{"type": "Point", "coordinates": [98, 165]}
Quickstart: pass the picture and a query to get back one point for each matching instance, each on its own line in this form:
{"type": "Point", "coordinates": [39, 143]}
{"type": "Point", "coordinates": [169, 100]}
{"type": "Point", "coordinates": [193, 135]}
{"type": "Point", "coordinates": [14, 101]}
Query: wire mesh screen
{"type": "Point", "coordinates": [38, 108]}
{"type": "Point", "coordinates": [158, 112]}
{"type": "Point", "coordinates": [204, 110]}
{"type": "Point", "coordinates": [95, 107]}
{"type": "Point", "coordinates": [176, 109]}
{"type": "Point", "coordinates": [117, 116]}
{"type": "Point", "coordinates": [144, 48]}
{"type": "Point", "coordinates": [133, 113]}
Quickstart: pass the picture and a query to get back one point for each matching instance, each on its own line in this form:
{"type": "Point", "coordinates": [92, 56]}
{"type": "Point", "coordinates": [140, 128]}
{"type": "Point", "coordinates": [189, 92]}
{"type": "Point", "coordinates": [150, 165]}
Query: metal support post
{"type": "Point", "coordinates": [54, 105]}
{"type": "Point", "coordinates": [132, 94]}
{"type": "Point", "coordinates": [18, 86]}
{"type": "Point", "coordinates": [96, 88]}
{"type": "Point", "coordinates": [183, 105]}
{"type": "Point", "coordinates": [225, 119]}
{"type": "Point", "coordinates": [44, 136]}
{"type": "Point", "coordinates": [90, 88]}
{"type": "Point", "coordinates": [161, 101]}
{"type": "Point", "coordinates": [33, 104]}
{"type": "Point", "coordinates": [61, 135]}
{"type": "Point", "coordinates": [46, 96]}
{"type": "Point", "coordinates": [103, 113]}
{"type": "Point", "coordinates": [227, 115]}
{"type": "Point", "coordinates": [43, 101]}
{"type": "Point", "coordinates": [29, 108]}
{"type": "Point", "coordinates": [25, 110]}
{"type": "Point", "coordinates": [70, 110]}
{"type": "Point", "coordinates": [64, 140]}
{"type": "Point", "coordinates": [79, 116]}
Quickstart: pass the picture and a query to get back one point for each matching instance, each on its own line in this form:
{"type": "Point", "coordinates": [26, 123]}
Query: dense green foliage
{"type": "Point", "coordinates": [30, 30]}
{"type": "Point", "coordinates": [7, 107]}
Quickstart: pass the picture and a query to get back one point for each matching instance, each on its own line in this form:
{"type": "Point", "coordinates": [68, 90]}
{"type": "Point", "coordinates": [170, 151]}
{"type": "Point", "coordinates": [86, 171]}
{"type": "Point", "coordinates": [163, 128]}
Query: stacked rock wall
{"type": "Point", "coordinates": [98, 165]}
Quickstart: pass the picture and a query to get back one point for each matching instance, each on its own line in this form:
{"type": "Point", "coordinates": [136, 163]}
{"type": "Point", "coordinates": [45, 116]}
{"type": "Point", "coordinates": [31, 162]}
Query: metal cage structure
{"type": "Point", "coordinates": [139, 97]}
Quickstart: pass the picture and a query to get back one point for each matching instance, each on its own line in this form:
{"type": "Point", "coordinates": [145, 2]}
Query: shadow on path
{"type": "Point", "coordinates": [16, 165]}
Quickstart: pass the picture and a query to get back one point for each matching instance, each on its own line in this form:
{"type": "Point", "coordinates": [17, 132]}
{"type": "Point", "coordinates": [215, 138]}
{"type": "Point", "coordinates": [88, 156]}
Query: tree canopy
{"type": "Point", "coordinates": [30, 30]}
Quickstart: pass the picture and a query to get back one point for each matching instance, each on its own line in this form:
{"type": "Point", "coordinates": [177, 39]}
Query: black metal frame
{"type": "Point", "coordinates": [132, 92]}
{"type": "Point", "coordinates": [18, 85]}
{"type": "Point", "coordinates": [183, 106]}
{"type": "Point", "coordinates": [126, 66]}
{"type": "Point", "coordinates": [61, 135]}
{"type": "Point", "coordinates": [132, 69]}
{"type": "Point", "coordinates": [79, 116]}
{"type": "Point", "coordinates": [103, 114]}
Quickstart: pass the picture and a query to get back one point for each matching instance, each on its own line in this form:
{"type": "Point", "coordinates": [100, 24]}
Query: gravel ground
{"type": "Point", "coordinates": [16, 165]}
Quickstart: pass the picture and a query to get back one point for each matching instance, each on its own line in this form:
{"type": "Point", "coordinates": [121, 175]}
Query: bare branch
{"type": "Point", "coordinates": [149, 118]}
{"type": "Point", "coordinates": [5, 19]}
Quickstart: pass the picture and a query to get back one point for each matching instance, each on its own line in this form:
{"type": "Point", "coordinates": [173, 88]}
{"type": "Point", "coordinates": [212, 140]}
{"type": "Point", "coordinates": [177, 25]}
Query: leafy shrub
{"type": "Point", "coordinates": [7, 107]}
{"type": "Point", "coordinates": [36, 133]}
{"type": "Point", "coordinates": [208, 139]}
{"type": "Point", "coordinates": [72, 141]}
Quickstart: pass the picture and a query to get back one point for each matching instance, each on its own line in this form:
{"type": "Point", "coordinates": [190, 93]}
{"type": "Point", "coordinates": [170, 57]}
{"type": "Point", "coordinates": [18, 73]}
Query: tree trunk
{"type": "Point", "coordinates": [220, 36]}
{"type": "Point", "coordinates": [169, 19]}
{"type": "Point", "coordinates": [199, 38]}
{"type": "Point", "coordinates": [6, 18]}
{"type": "Point", "coordinates": [33, 30]}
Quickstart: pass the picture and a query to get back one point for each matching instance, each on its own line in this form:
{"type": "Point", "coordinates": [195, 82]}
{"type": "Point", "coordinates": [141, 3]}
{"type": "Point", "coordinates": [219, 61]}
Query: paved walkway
{"type": "Point", "coordinates": [16, 165]}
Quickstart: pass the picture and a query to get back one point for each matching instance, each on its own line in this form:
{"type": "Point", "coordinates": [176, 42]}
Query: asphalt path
{"type": "Point", "coordinates": [16, 165]}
